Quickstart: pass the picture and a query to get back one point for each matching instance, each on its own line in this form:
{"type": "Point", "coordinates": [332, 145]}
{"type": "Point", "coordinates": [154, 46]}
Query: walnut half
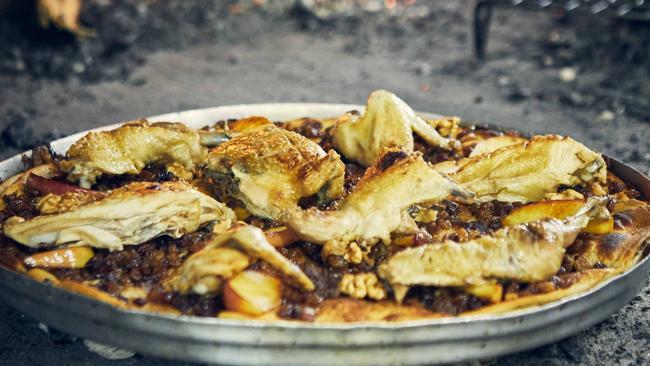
{"type": "Point", "coordinates": [362, 285]}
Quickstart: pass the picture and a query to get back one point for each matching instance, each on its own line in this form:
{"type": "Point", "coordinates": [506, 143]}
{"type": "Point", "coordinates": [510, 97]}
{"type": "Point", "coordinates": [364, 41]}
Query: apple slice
{"type": "Point", "coordinates": [241, 213]}
{"type": "Point", "coordinates": [75, 257]}
{"type": "Point", "coordinates": [413, 240]}
{"type": "Point", "coordinates": [252, 293]}
{"type": "Point", "coordinates": [226, 314]}
{"type": "Point", "coordinates": [280, 236]}
{"type": "Point", "coordinates": [492, 292]}
{"type": "Point", "coordinates": [600, 226]}
{"type": "Point", "coordinates": [557, 209]}
{"type": "Point", "coordinates": [42, 275]}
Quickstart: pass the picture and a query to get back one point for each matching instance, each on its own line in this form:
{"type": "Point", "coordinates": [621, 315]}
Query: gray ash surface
{"type": "Point", "coordinates": [125, 32]}
{"type": "Point", "coordinates": [583, 77]}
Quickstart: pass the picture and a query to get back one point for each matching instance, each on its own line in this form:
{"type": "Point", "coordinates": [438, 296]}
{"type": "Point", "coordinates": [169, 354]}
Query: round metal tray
{"type": "Point", "coordinates": [225, 341]}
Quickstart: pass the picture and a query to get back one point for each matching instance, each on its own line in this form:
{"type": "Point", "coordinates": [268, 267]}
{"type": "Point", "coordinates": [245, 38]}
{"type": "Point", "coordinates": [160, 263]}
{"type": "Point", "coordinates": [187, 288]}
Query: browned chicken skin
{"type": "Point", "coordinates": [377, 205]}
{"type": "Point", "coordinates": [270, 169]}
{"type": "Point", "coordinates": [527, 171]}
{"type": "Point", "coordinates": [129, 215]}
{"type": "Point", "coordinates": [388, 122]}
{"type": "Point", "coordinates": [527, 253]}
{"type": "Point", "coordinates": [446, 239]}
{"type": "Point", "coordinates": [222, 258]}
{"type": "Point", "coordinates": [131, 147]}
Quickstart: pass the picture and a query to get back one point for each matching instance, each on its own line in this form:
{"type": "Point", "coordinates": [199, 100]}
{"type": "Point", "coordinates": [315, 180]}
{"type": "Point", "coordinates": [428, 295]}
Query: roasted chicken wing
{"type": "Point", "coordinates": [270, 169]}
{"type": "Point", "coordinates": [495, 143]}
{"type": "Point", "coordinates": [129, 215]}
{"type": "Point", "coordinates": [222, 258]}
{"type": "Point", "coordinates": [129, 148]}
{"type": "Point", "coordinates": [525, 253]}
{"type": "Point", "coordinates": [527, 171]}
{"type": "Point", "coordinates": [387, 122]}
{"type": "Point", "coordinates": [376, 207]}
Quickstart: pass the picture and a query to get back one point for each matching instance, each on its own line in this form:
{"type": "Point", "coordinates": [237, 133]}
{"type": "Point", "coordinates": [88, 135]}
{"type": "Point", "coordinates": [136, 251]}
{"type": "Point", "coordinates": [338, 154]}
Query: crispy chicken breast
{"type": "Point", "coordinates": [495, 143]}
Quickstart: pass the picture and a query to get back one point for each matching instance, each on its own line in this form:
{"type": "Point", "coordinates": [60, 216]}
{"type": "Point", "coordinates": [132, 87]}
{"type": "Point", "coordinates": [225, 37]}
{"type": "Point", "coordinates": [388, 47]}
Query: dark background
{"type": "Point", "coordinates": [151, 57]}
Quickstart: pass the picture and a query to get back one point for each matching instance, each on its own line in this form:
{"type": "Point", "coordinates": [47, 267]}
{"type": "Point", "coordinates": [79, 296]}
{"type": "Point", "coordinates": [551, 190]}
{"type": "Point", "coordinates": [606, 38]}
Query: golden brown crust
{"type": "Point", "coordinates": [367, 214]}
{"type": "Point", "coordinates": [621, 248]}
{"type": "Point", "coordinates": [387, 122]}
{"type": "Point", "coordinates": [583, 281]}
{"type": "Point", "coordinates": [91, 292]}
{"type": "Point", "coordinates": [345, 310]}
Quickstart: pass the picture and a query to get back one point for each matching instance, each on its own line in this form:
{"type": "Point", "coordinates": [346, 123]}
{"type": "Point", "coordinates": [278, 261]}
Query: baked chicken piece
{"type": "Point", "coordinates": [270, 169]}
{"type": "Point", "coordinates": [129, 215]}
{"type": "Point", "coordinates": [525, 253]}
{"type": "Point", "coordinates": [377, 206]}
{"type": "Point", "coordinates": [387, 122]}
{"type": "Point", "coordinates": [495, 143]}
{"type": "Point", "coordinates": [224, 257]}
{"type": "Point", "coordinates": [129, 148]}
{"type": "Point", "coordinates": [622, 247]}
{"type": "Point", "coordinates": [527, 171]}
